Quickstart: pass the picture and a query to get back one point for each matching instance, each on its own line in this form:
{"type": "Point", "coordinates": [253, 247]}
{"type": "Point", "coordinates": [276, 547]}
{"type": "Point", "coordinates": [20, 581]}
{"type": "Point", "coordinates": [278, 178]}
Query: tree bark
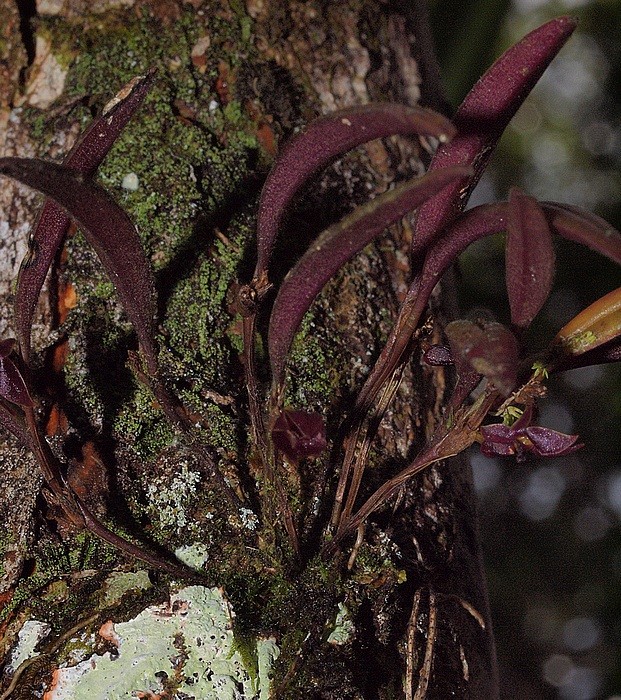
{"type": "Point", "coordinates": [234, 82]}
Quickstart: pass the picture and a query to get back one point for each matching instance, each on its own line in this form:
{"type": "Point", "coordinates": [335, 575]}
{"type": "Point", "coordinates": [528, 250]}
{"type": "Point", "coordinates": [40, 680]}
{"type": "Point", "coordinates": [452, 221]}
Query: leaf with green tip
{"type": "Point", "coordinates": [598, 324]}
{"type": "Point", "coordinates": [483, 116]}
{"type": "Point", "coordinates": [601, 355]}
{"type": "Point", "coordinates": [333, 248]}
{"type": "Point", "coordinates": [52, 222]}
{"type": "Point", "coordinates": [108, 229]}
{"type": "Point", "coordinates": [529, 258]}
{"type": "Point", "coordinates": [323, 141]}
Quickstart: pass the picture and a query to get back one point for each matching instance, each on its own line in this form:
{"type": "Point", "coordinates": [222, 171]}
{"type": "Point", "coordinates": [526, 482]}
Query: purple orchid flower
{"type": "Point", "coordinates": [521, 438]}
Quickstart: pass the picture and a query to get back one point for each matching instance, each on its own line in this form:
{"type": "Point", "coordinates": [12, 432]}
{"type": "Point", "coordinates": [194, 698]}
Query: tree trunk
{"type": "Point", "coordinates": [408, 617]}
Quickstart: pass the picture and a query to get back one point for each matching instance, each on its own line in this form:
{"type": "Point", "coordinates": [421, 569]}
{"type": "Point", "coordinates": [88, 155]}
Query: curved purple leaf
{"type": "Point", "coordinates": [108, 229]}
{"type": "Point", "coordinates": [323, 141]}
{"type": "Point", "coordinates": [10, 420]}
{"type": "Point", "coordinates": [582, 226]}
{"type": "Point", "coordinates": [52, 222]}
{"type": "Point", "coordinates": [529, 258]}
{"type": "Point", "coordinates": [333, 248]}
{"type": "Point", "coordinates": [483, 116]}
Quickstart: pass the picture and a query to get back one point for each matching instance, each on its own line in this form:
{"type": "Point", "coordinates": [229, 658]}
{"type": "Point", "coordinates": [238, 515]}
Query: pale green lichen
{"type": "Point", "coordinates": [344, 627]}
{"type": "Point", "coordinates": [185, 647]}
{"type": "Point", "coordinates": [169, 500]}
{"type": "Point", "coordinates": [194, 555]}
{"type": "Point", "coordinates": [120, 583]}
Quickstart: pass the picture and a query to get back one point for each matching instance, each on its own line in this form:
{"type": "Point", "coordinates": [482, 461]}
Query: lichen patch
{"type": "Point", "coordinates": [184, 647]}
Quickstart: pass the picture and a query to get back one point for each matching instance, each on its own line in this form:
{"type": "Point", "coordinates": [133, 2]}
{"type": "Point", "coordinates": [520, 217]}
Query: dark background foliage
{"type": "Point", "coordinates": [552, 530]}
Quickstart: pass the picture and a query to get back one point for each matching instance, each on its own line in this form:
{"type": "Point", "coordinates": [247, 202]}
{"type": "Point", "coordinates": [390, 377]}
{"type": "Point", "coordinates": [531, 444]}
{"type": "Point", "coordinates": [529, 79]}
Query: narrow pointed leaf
{"type": "Point", "coordinates": [333, 248]}
{"type": "Point", "coordinates": [529, 258]}
{"type": "Point", "coordinates": [52, 222]}
{"type": "Point", "coordinates": [483, 116]}
{"type": "Point", "coordinates": [108, 229]}
{"type": "Point", "coordinates": [582, 226]}
{"type": "Point", "coordinates": [598, 324]}
{"type": "Point", "coordinates": [323, 141]}
{"type": "Point", "coordinates": [478, 222]}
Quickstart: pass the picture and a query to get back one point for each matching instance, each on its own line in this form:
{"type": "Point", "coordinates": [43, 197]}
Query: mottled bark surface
{"type": "Point", "coordinates": [234, 81]}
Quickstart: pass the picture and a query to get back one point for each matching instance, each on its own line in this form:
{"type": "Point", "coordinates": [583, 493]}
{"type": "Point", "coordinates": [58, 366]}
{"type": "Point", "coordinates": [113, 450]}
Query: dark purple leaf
{"type": "Point", "coordinates": [323, 141]}
{"type": "Point", "coordinates": [12, 385]}
{"type": "Point", "coordinates": [52, 222]}
{"type": "Point", "coordinates": [483, 116]}
{"type": "Point", "coordinates": [582, 226]}
{"type": "Point", "coordinates": [7, 346]}
{"type": "Point", "coordinates": [299, 434]}
{"type": "Point", "coordinates": [488, 219]}
{"type": "Point", "coordinates": [529, 258]}
{"type": "Point", "coordinates": [491, 350]}
{"type": "Point", "coordinates": [333, 248]}
{"type": "Point", "coordinates": [550, 443]}
{"type": "Point", "coordinates": [108, 229]}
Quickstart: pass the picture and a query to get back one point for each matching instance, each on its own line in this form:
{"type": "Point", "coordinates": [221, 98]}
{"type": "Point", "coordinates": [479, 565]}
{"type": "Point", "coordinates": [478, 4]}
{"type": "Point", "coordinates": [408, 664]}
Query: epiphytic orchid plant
{"type": "Point", "coordinates": [483, 352]}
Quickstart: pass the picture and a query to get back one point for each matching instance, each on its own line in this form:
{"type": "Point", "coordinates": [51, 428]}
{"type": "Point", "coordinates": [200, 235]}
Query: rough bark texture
{"type": "Point", "coordinates": [234, 81]}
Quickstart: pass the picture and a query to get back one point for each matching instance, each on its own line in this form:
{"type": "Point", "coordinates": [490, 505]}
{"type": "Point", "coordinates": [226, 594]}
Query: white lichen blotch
{"type": "Point", "coordinates": [169, 500]}
{"type": "Point", "coordinates": [186, 643]}
{"type": "Point", "coordinates": [130, 182]}
{"type": "Point", "coordinates": [29, 636]}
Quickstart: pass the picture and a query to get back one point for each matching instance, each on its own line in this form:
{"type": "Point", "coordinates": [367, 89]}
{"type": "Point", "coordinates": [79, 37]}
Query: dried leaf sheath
{"type": "Point", "coordinates": [108, 229]}
{"type": "Point", "coordinates": [334, 247]}
{"type": "Point", "coordinates": [324, 140]}
{"type": "Point", "coordinates": [52, 222]}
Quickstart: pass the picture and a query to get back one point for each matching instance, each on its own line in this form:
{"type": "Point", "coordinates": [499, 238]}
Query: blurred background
{"type": "Point", "coordinates": [552, 529]}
